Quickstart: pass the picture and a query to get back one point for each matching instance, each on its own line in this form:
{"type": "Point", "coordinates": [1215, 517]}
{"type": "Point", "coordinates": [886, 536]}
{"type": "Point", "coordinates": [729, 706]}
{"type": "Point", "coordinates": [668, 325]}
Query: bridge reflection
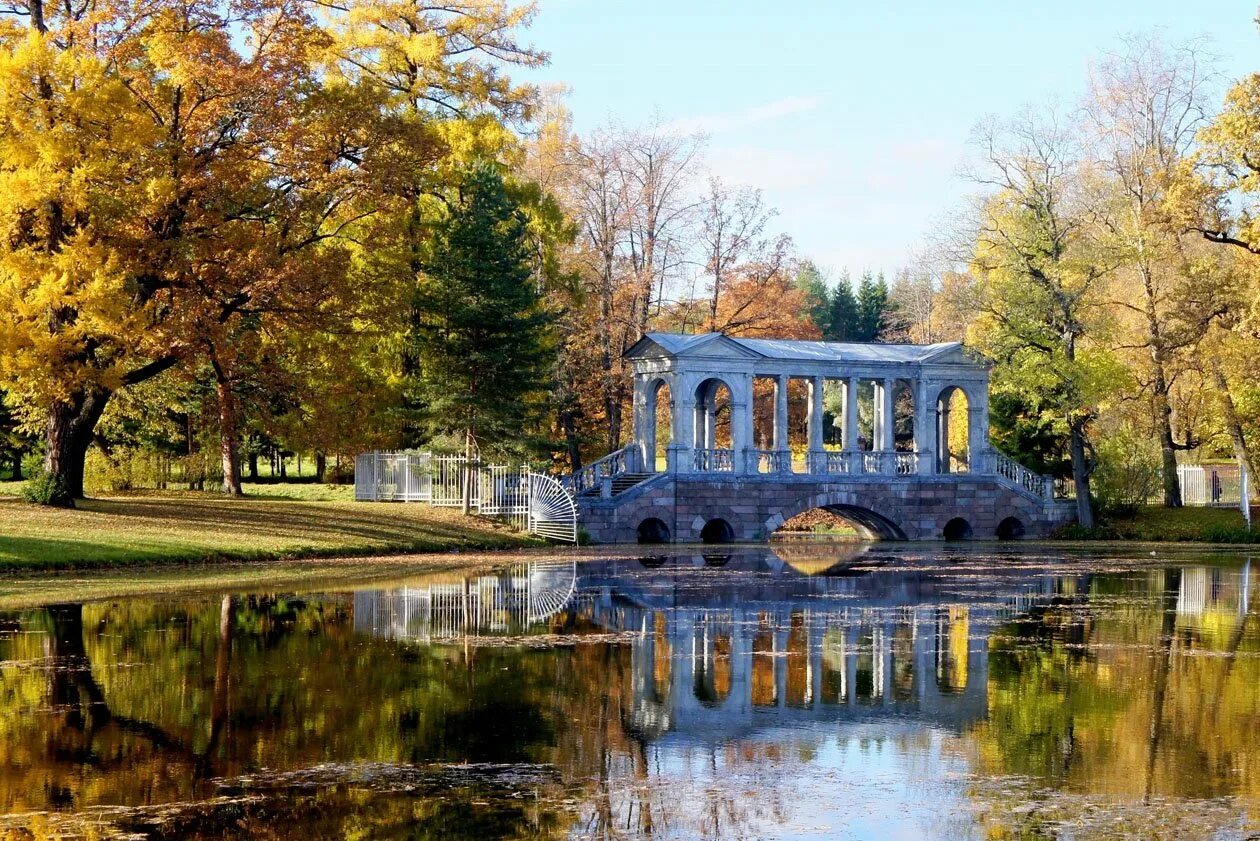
{"type": "Point", "coordinates": [724, 645]}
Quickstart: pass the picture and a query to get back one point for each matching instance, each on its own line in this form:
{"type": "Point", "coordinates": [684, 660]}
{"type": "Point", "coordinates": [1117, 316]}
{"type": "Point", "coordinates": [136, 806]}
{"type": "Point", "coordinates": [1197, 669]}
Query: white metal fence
{"type": "Point", "coordinates": [1218, 485]}
{"type": "Point", "coordinates": [532, 502]}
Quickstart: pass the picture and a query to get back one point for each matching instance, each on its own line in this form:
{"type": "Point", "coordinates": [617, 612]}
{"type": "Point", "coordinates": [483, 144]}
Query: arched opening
{"type": "Point", "coordinates": [1010, 529]}
{"type": "Point", "coordinates": [839, 521]}
{"type": "Point", "coordinates": [957, 529]}
{"type": "Point", "coordinates": [952, 431]}
{"type": "Point", "coordinates": [653, 530]}
{"type": "Point", "coordinates": [660, 416]}
{"type": "Point", "coordinates": [903, 417]}
{"type": "Point", "coordinates": [717, 531]}
{"type": "Point", "coordinates": [713, 415]}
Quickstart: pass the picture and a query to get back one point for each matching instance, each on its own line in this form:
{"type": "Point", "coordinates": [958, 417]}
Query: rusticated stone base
{"type": "Point", "coordinates": [913, 508]}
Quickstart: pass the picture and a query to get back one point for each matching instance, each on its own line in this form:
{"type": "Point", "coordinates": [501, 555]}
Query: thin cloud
{"type": "Point", "coordinates": [722, 123]}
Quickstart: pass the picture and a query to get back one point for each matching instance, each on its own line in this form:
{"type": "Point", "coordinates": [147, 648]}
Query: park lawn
{"type": "Point", "coordinates": [188, 527]}
{"type": "Point", "coordinates": [1190, 524]}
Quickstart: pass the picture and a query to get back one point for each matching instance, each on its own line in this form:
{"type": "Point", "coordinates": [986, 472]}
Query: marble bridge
{"type": "Point", "coordinates": [732, 437]}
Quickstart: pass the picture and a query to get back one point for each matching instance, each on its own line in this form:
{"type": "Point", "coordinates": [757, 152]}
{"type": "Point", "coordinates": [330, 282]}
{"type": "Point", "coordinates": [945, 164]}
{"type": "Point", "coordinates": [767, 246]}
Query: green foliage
{"type": "Point", "coordinates": [842, 315]}
{"type": "Point", "coordinates": [810, 280]}
{"type": "Point", "coordinates": [46, 489]}
{"type": "Point", "coordinates": [1157, 524]}
{"type": "Point", "coordinates": [873, 308]}
{"type": "Point", "coordinates": [1019, 426]}
{"type": "Point", "coordinates": [1127, 473]}
{"type": "Point", "coordinates": [481, 337]}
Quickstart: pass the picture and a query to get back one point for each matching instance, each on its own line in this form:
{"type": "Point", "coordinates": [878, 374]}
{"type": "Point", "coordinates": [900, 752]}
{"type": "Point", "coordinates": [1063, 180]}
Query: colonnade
{"type": "Point", "coordinates": [694, 407]}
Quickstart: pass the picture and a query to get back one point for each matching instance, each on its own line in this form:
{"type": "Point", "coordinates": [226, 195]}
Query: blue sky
{"type": "Point", "coordinates": [853, 117]}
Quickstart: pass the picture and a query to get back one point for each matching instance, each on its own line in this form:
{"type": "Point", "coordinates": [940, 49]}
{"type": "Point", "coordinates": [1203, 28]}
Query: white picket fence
{"type": "Point", "coordinates": [1218, 485]}
{"type": "Point", "coordinates": [534, 503]}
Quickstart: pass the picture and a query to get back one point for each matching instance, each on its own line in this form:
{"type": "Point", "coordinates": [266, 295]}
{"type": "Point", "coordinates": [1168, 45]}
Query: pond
{"type": "Point", "coordinates": [800, 691]}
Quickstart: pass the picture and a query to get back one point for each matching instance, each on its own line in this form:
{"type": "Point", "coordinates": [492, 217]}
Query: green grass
{"type": "Point", "coordinates": [1154, 523]}
{"type": "Point", "coordinates": [181, 527]}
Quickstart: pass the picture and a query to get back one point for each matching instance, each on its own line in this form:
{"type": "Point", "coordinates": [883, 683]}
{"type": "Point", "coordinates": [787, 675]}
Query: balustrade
{"type": "Point", "coordinates": [590, 476]}
{"type": "Point", "coordinates": [715, 461]}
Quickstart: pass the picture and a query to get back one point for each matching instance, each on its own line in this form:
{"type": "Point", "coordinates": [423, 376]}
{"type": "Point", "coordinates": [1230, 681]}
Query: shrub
{"type": "Point", "coordinates": [46, 489]}
{"type": "Point", "coordinates": [1230, 534]}
{"type": "Point", "coordinates": [1128, 472]}
{"type": "Point", "coordinates": [33, 463]}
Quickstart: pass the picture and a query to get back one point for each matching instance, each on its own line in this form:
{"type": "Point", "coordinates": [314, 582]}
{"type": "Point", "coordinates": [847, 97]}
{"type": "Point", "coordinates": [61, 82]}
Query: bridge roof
{"type": "Point", "coordinates": [795, 350]}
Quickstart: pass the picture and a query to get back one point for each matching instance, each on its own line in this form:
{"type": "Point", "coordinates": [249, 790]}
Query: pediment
{"type": "Point", "coordinates": [955, 354]}
{"type": "Point", "coordinates": [689, 346]}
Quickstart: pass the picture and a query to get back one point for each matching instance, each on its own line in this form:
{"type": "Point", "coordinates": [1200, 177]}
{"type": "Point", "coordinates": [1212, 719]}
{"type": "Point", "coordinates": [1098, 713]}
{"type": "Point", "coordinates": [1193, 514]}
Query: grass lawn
{"type": "Point", "coordinates": [281, 521]}
{"type": "Point", "coordinates": [1203, 525]}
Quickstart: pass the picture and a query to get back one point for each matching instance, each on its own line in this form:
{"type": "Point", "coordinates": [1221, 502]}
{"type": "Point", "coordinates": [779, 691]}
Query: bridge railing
{"type": "Point", "coordinates": [715, 461]}
{"type": "Point", "coordinates": [613, 464]}
{"type": "Point", "coordinates": [1015, 472]}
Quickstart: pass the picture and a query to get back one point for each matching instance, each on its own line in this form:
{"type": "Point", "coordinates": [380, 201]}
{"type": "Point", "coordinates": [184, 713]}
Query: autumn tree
{"type": "Point", "coordinates": [1038, 273]}
{"type": "Point", "coordinates": [1144, 108]}
{"type": "Point", "coordinates": [732, 229]}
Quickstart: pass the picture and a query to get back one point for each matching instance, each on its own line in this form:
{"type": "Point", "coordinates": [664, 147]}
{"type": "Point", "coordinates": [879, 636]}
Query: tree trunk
{"type": "Point", "coordinates": [1167, 445]}
{"type": "Point", "coordinates": [228, 435]}
{"type": "Point", "coordinates": [69, 434]}
{"type": "Point", "coordinates": [1080, 475]}
{"type": "Point", "coordinates": [321, 465]}
{"type": "Point", "coordinates": [17, 466]}
{"type": "Point", "coordinates": [1233, 424]}
{"type": "Point", "coordinates": [466, 501]}
{"type": "Point", "coordinates": [253, 465]}
{"type": "Point", "coordinates": [568, 425]}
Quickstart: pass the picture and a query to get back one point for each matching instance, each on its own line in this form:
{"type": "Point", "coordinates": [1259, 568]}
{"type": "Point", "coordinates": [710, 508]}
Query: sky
{"type": "Point", "coordinates": [854, 118]}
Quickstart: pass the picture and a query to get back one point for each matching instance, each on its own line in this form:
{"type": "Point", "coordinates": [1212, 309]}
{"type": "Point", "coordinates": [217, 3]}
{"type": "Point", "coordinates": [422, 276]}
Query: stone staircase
{"type": "Point", "coordinates": [621, 483]}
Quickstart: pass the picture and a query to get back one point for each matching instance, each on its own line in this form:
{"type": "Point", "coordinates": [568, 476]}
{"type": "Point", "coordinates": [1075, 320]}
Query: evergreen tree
{"type": "Point", "coordinates": [481, 338]}
{"type": "Point", "coordinates": [810, 280]}
{"type": "Point", "coordinates": [872, 307]}
{"type": "Point", "coordinates": [842, 321]}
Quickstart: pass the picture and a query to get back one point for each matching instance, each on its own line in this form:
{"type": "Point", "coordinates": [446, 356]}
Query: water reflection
{"type": "Point", "coordinates": [676, 697]}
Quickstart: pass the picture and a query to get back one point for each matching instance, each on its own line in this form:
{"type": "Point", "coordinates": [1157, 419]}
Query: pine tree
{"type": "Point", "coordinates": [872, 307]}
{"type": "Point", "coordinates": [842, 320]}
{"type": "Point", "coordinates": [481, 338]}
{"type": "Point", "coordinates": [810, 280]}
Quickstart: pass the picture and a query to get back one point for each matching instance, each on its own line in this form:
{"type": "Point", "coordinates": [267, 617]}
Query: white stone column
{"type": "Point", "coordinates": [781, 423]}
{"type": "Point", "coordinates": [817, 458]}
{"type": "Point", "coordinates": [888, 415]}
{"type": "Point", "coordinates": [643, 416]}
{"type": "Point", "coordinates": [942, 436]}
{"type": "Point", "coordinates": [924, 427]}
{"type": "Point", "coordinates": [851, 424]}
{"type": "Point", "coordinates": [645, 424]}
{"type": "Point", "coordinates": [681, 452]}
{"type": "Point", "coordinates": [978, 434]}
{"type": "Point", "coordinates": [744, 449]}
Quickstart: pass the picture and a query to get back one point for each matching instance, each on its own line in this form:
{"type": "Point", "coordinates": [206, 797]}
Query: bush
{"type": "Point", "coordinates": [33, 463]}
{"type": "Point", "coordinates": [125, 469]}
{"type": "Point", "coordinates": [1230, 534]}
{"type": "Point", "coordinates": [46, 489]}
{"type": "Point", "coordinates": [1128, 473]}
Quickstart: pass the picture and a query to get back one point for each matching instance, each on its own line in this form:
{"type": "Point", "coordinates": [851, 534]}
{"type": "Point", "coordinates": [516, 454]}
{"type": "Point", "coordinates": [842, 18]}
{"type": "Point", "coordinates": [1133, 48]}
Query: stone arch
{"type": "Point", "coordinates": [957, 529]}
{"type": "Point", "coordinates": [1011, 528]}
{"type": "Point", "coordinates": [952, 416]}
{"type": "Point", "coordinates": [713, 428]}
{"type": "Point", "coordinates": [869, 522]}
{"type": "Point", "coordinates": [905, 416]}
{"type": "Point", "coordinates": [717, 530]}
{"type": "Point", "coordinates": [658, 420]}
{"type": "Point", "coordinates": [653, 530]}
